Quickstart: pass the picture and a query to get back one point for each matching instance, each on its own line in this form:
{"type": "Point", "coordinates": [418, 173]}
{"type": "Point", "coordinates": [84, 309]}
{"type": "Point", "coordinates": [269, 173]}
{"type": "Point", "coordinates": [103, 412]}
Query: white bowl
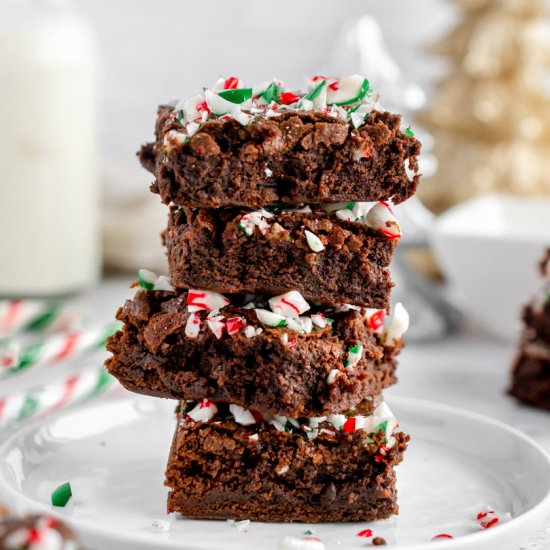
{"type": "Point", "coordinates": [489, 249]}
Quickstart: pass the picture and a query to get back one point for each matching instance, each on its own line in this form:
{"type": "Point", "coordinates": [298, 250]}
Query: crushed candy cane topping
{"type": "Point", "coordinates": [349, 99]}
{"type": "Point", "coordinates": [488, 517]}
{"type": "Point", "coordinates": [41, 535]}
{"type": "Point", "coordinates": [378, 216]}
{"type": "Point", "coordinates": [149, 280]}
{"type": "Point", "coordinates": [381, 420]}
{"type": "Point", "coordinates": [288, 312]}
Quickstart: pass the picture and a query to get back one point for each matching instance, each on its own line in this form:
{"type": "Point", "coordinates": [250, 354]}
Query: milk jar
{"type": "Point", "coordinates": [49, 242]}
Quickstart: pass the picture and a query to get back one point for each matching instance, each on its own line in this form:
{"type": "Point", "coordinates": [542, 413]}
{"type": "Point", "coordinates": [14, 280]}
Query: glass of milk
{"type": "Point", "coordinates": [49, 224]}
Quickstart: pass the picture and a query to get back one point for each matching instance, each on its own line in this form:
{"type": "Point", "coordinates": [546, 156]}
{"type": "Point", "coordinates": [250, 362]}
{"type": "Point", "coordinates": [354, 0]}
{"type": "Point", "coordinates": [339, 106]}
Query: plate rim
{"type": "Point", "coordinates": [539, 509]}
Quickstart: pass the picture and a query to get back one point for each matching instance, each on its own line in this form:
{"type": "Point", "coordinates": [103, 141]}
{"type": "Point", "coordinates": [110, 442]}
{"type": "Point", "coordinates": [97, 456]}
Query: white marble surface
{"type": "Point", "coordinates": [467, 370]}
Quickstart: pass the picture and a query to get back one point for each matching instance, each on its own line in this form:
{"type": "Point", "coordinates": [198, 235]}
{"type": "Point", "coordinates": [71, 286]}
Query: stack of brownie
{"type": "Point", "coordinates": [274, 330]}
{"type": "Point", "coordinates": [531, 369]}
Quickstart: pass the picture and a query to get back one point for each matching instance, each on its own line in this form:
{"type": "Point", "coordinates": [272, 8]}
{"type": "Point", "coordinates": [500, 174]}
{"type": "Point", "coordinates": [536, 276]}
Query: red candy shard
{"type": "Point", "coordinates": [390, 234]}
{"type": "Point", "coordinates": [349, 425]}
{"type": "Point", "coordinates": [288, 98]}
{"type": "Point", "coordinates": [234, 324]}
{"type": "Point", "coordinates": [377, 320]}
{"type": "Point", "coordinates": [367, 533]}
{"type": "Point", "coordinates": [231, 83]}
{"type": "Point", "coordinates": [203, 107]}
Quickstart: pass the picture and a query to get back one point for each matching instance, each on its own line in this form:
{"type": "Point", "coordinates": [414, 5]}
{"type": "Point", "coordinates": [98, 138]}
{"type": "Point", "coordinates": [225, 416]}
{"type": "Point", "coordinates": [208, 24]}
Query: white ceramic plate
{"type": "Point", "coordinates": [114, 452]}
{"type": "Point", "coordinates": [489, 249]}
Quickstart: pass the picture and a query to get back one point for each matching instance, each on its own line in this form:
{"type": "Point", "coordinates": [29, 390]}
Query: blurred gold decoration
{"type": "Point", "coordinates": [491, 116]}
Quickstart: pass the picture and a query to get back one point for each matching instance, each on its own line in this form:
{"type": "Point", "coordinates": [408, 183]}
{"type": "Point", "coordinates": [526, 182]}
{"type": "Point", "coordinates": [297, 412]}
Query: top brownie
{"type": "Point", "coordinates": [236, 146]}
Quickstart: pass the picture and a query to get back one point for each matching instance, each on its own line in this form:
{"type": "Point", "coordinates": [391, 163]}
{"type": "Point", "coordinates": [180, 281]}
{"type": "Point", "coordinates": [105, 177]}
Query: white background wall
{"type": "Point", "coordinates": [157, 50]}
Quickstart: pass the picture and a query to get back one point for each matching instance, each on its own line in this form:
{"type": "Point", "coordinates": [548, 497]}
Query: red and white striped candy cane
{"type": "Point", "coordinates": [86, 383]}
{"type": "Point", "coordinates": [56, 348]}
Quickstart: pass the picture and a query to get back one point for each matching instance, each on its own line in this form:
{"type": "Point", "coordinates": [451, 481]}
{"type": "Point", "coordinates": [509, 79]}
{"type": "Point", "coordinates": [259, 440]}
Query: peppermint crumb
{"type": "Point", "coordinates": [379, 541]}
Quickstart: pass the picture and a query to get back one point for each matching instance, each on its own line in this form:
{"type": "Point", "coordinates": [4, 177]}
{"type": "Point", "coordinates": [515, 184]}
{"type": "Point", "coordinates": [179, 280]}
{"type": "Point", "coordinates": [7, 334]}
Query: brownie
{"type": "Point", "coordinates": [212, 249]}
{"type": "Point", "coordinates": [531, 368]}
{"type": "Point", "coordinates": [36, 531]}
{"type": "Point", "coordinates": [274, 369]}
{"type": "Point", "coordinates": [531, 375]}
{"type": "Point", "coordinates": [294, 157]}
{"type": "Point", "coordinates": [536, 317]}
{"type": "Point", "coordinates": [221, 469]}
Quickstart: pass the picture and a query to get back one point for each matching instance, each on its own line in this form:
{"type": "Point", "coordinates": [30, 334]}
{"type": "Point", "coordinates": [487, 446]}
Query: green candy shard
{"type": "Point", "coordinates": [316, 91]}
{"type": "Point", "coordinates": [280, 324]}
{"type": "Point", "coordinates": [382, 426]}
{"type": "Point", "coordinates": [271, 93]}
{"type": "Point", "coordinates": [145, 284]}
{"type": "Point", "coordinates": [355, 349]}
{"type": "Point", "coordinates": [238, 95]}
{"type": "Point", "coordinates": [363, 91]}
{"type": "Point", "coordinates": [62, 495]}
{"type": "Point", "coordinates": [329, 320]}
{"type": "Point", "coordinates": [409, 132]}
{"type": "Point", "coordinates": [180, 117]}
{"type": "Point", "coordinates": [351, 205]}
{"type": "Point", "coordinates": [308, 532]}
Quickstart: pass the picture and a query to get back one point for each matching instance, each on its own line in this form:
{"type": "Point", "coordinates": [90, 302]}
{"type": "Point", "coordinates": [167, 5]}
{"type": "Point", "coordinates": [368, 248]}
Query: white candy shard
{"type": "Point", "coordinates": [307, 323]}
{"type": "Point", "coordinates": [190, 106]}
{"type": "Point", "coordinates": [278, 422]}
{"type": "Point", "coordinates": [160, 526]}
{"type": "Point", "coordinates": [269, 318]}
{"type": "Point", "coordinates": [241, 526]}
{"type": "Point", "coordinates": [147, 278]}
{"type": "Point", "coordinates": [204, 411]}
{"type": "Point", "coordinates": [314, 242]}
{"type": "Point", "coordinates": [163, 283]}
{"type": "Point", "coordinates": [193, 326]}
{"type": "Point", "coordinates": [291, 304]}
{"type": "Point", "coordinates": [337, 420]}
{"type": "Point", "coordinates": [354, 356]}
{"type": "Point", "coordinates": [205, 300]}
{"type": "Point", "coordinates": [249, 331]}
{"type": "Point", "coordinates": [241, 415]}
{"type": "Point", "coordinates": [320, 102]}
{"type": "Point", "coordinates": [381, 218]}
{"type": "Point", "coordinates": [173, 139]}
{"type": "Point", "coordinates": [216, 325]}
{"type": "Point", "coordinates": [254, 219]}
{"type": "Point", "coordinates": [346, 215]}
{"type": "Point", "coordinates": [220, 106]}
{"type": "Point", "coordinates": [348, 89]}
{"type": "Point", "coordinates": [295, 324]}
{"type": "Point", "coordinates": [150, 281]}
{"type": "Point", "coordinates": [331, 378]}
{"type": "Point", "coordinates": [396, 328]}
{"type": "Point", "coordinates": [319, 320]}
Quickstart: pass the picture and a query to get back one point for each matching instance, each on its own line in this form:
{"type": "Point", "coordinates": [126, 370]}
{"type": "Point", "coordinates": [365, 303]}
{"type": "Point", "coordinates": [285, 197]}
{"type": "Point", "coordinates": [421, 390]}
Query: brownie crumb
{"type": "Point", "coordinates": [379, 541]}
